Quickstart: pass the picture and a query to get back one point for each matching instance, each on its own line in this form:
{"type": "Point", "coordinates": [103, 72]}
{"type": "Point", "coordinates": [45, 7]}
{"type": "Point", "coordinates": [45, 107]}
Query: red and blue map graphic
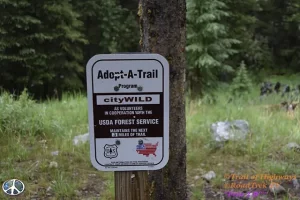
{"type": "Point", "coordinates": [146, 149]}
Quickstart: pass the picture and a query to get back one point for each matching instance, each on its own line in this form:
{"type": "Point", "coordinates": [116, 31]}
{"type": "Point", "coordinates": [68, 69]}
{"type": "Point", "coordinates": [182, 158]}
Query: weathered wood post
{"type": "Point", "coordinates": [163, 31]}
{"type": "Point", "coordinates": [131, 185]}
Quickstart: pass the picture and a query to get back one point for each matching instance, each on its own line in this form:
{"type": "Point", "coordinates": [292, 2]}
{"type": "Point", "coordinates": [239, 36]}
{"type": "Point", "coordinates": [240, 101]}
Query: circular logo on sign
{"type": "Point", "coordinates": [13, 187]}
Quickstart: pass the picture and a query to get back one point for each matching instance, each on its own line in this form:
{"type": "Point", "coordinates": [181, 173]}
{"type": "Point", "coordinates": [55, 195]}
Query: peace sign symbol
{"type": "Point", "coordinates": [13, 187]}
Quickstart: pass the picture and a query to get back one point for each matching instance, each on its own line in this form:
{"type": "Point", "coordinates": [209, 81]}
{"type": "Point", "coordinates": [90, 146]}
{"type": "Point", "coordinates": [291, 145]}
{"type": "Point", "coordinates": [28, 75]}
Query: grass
{"type": "Point", "coordinates": [30, 131]}
{"type": "Point", "coordinates": [262, 153]}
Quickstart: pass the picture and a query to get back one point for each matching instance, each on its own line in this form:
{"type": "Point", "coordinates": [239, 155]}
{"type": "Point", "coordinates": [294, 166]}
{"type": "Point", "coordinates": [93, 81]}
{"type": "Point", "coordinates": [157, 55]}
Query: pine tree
{"type": "Point", "coordinates": [40, 46]}
{"type": "Point", "coordinates": [243, 24]}
{"type": "Point", "coordinates": [279, 24]}
{"type": "Point", "coordinates": [60, 41]}
{"type": "Point", "coordinates": [241, 83]}
{"type": "Point", "coordinates": [292, 51]}
{"type": "Point", "coordinates": [17, 49]}
{"type": "Point", "coordinates": [208, 44]}
{"type": "Point", "coordinates": [108, 27]}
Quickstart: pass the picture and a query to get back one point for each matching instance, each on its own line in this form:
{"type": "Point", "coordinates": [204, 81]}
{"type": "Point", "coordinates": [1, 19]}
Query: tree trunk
{"type": "Point", "coordinates": [163, 31]}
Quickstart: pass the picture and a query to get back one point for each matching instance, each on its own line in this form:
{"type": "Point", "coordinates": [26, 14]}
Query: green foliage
{"type": "Point", "coordinates": [292, 51]}
{"type": "Point", "coordinates": [40, 46]}
{"type": "Point", "coordinates": [241, 83]}
{"type": "Point", "coordinates": [44, 45]}
{"type": "Point", "coordinates": [279, 24]}
{"type": "Point", "coordinates": [21, 116]}
{"type": "Point", "coordinates": [16, 46]}
{"type": "Point", "coordinates": [208, 44]}
{"type": "Point", "coordinates": [267, 129]}
{"type": "Point", "coordinates": [108, 27]}
{"type": "Point", "coordinates": [64, 55]}
{"type": "Point", "coordinates": [264, 34]}
{"type": "Point", "coordinates": [243, 25]}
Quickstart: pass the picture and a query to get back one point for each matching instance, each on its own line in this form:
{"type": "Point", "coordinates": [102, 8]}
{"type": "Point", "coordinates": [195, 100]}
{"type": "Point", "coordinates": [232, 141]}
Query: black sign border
{"type": "Point", "coordinates": [163, 93]}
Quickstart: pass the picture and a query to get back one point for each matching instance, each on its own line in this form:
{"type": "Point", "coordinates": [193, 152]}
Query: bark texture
{"type": "Point", "coordinates": [163, 31]}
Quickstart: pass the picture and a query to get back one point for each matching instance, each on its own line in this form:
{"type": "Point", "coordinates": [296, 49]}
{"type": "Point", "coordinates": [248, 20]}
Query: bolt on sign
{"type": "Point", "coordinates": [128, 101]}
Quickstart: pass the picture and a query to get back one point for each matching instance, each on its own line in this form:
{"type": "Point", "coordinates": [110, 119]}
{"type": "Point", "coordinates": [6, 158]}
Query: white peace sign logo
{"type": "Point", "coordinates": [13, 187]}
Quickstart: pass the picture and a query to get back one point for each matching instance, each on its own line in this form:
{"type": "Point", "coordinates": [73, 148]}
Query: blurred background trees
{"type": "Point", "coordinates": [45, 44]}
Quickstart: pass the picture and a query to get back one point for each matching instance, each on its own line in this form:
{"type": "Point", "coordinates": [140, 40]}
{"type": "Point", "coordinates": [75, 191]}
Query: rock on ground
{"type": "Point", "coordinates": [81, 139]}
{"type": "Point", "coordinates": [226, 130]}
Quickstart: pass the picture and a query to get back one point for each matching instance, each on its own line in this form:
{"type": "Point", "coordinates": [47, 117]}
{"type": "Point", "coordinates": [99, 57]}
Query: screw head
{"type": "Point", "coordinates": [116, 88]}
{"type": "Point", "coordinates": [118, 142]}
{"type": "Point", "coordinates": [140, 88]}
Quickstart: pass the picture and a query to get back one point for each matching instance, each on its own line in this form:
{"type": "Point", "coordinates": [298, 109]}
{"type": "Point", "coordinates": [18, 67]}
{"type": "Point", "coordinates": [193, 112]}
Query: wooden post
{"type": "Point", "coordinates": [131, 185]}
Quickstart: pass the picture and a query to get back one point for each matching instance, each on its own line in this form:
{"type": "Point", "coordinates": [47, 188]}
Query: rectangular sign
{"type": "Point", "coordinates": [128, 100]}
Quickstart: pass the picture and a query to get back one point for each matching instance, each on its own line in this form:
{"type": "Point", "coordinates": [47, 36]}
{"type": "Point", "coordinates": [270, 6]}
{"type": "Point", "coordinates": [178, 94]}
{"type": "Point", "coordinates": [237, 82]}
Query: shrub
{"type": "Point", "coordinates": [22, 115]}
{"type": "Point", "coordinates": [241, 83]}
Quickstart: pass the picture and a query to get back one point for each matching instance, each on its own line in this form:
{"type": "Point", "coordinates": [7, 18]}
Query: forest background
{"type": "Point", "coordinates": [45, 45]}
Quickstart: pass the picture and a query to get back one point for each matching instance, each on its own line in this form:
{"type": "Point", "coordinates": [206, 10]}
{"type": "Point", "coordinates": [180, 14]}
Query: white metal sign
{"type": "Point", "coordinates": [128, 101]}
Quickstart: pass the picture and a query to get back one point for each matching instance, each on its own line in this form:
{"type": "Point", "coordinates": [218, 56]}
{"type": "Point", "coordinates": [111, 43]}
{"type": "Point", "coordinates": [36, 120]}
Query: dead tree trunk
{"type": "Point", "coordinates": [163, 31]}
